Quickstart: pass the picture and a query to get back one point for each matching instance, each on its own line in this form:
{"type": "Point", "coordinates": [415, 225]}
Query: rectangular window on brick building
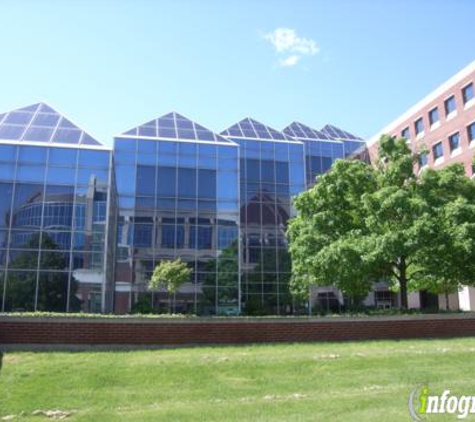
{"type": "Point", "coordinates": [406, 133]}
{"type": "Point", "coordinates": [419, 126]}
{"type": "Point", "coordinates": [454, 141]}
{"type": "Point", "coordinates": [467, 93]}
{"type": "Point", "coordinates": [450, 105]}
{"type": "Point", "coordinates": [438, 150]}
{"type": "Point", "coordinates": [433, 116]}
{"type": "Point", "coordinates": [422, 159]}
{"type": "Point", "coordinates": [471, 132]}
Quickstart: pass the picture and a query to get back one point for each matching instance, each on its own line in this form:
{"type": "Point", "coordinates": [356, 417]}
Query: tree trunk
{"type": "Point", "coordinates": [174, 301]}
{"type": "Point", "coordinates": [169, 303]}
{"type": "Point", "coordinates": [403, 282]}
{"type": "Point", "coordinates": [447, 300]}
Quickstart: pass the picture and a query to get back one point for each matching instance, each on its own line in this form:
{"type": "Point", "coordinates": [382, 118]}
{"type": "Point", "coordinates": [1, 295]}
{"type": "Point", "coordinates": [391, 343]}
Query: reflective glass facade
{"type": "Point", "coordinates": [82, 226]}
{"type": "Point", "coordinates": [53, 224]}
{"type": "Point", "coordinates": [271, 174]}
{"type": "Point", "coordinates": [178, 198]}
{"type": "Point", "coordinates": [322, 147]}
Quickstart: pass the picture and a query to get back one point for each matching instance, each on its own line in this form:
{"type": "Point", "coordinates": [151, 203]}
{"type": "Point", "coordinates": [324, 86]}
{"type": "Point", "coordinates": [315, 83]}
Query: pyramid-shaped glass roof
{"type": "Point", "coordinates": [337, 133]}
{"type": "Point", "coordinates": [41, 123]}
{"type": "Point", "coordinates": [301, 131]}
{"type": "Point", "coordinates": [252, 129]}
{"type": "Point", "coordinates": [175, 126]}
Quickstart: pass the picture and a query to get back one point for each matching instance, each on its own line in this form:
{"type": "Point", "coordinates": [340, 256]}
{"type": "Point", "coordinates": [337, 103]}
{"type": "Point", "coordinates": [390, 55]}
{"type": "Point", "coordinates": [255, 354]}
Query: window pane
{"type": "Point", "coordinates": [91, 176]}
{"type": "Point", "coordinates": [6, 193]}
{"type": "Point", "coordinates": [450, 105]}
{"type": "Point", "coordinates": [11, 132]}
{"type": "Point", "coordinates": [186, 183]}
{"type": "Point", "coordinates": [94, 158]}
{"type": "Point", "coordinates": [146, 176]}
{"type": "Point", "coordinates": [166, 183]}
{"type": "Point", "coordinates": [467, 93]}
{"type": "Point", "coordinates": [434, 115]}
{"type": "Point", "coordinates": [206, 184]}
{"type": "Point", "coordinates": [63, 156]}
{"type": "Point", "coordinates": [438, 150]}
{"type": "Point", "coordinates": [419, 126]}
{"type": "Point", "coordinates": [454, 141]}
{"type": "Point", "coordinates": [282, 172]}
{"type": "Point", "coordinates": [252, 170]}
{"type": "Point", "coordinates": [227, 185]}
{"type": "Point", "coordinates": [27, 173]}
{"type": "Point", "coordinates": [33, 154]}
{"type": "Point", "coordinates": [7, 171]}
{"type": "Point", "coordinates": [471, 132]}
{"type": "Point", "coordinates": [125, 145]}
{"type": "Point", "coordinates": [61, 175]}
{"type": "Point", "coordinates": [8, 153]}
{"type": "Point", "coordinates": [125, 176]}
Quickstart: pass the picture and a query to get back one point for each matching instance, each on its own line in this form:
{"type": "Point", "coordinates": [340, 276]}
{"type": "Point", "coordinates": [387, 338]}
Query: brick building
{"type": "Point", "coordinates": [443, 124]}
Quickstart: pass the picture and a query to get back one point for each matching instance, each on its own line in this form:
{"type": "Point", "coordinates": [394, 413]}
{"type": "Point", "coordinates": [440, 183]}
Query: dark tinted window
{"type": "Point", "coordinates": [166, 184]}
{"type": "Point", "coordinates": [454, 141]}
{"type": "Point", "coordinates": [438, 150]}
{"type": "Point", "coordinates": [450, 105]}
{"type": "Point", "coordinates": [467, 93]}
{"type": "Point", "coordinates": [186, 183]}
{"type": "Point", "coordinates": [146, 180]}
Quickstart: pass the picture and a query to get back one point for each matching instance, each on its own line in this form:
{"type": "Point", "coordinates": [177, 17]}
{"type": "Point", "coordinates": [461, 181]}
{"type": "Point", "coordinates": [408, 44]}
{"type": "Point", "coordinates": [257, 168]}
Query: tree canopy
{"type": "Point", "coordinates": [171, 275]}
{"type": "Point", "coordinates": [361, 224]}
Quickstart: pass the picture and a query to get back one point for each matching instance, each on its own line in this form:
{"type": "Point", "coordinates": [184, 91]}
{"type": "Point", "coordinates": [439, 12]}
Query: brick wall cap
{"type": "Point", "coordinates": [231, 320]}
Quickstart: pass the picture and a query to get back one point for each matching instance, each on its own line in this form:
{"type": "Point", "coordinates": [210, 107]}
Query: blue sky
{"type": "Point", "coordinates": [111, 65]}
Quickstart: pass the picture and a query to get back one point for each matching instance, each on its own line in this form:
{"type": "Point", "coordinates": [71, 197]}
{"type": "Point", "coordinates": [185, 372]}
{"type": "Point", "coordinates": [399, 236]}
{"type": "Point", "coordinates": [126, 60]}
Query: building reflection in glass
{"type": "Point", "coordinates": [54, 185]}
{"type": "Point", "coordinates": [178, 197]}
{"type": "Point", "coordinates": [271, 174]}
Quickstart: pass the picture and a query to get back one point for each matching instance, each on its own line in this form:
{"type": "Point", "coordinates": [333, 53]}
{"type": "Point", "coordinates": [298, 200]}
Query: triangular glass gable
{"type": "Point", "coordinates": [175, 126]}
{"type": "Point", "coordinates": [299, 130]}
{"type": "Point", "coordinates": [41, 123]}
{"type": "Point", "coordinates": [250, 128]}
{"type": "Point", "coordinates": [337, 133]}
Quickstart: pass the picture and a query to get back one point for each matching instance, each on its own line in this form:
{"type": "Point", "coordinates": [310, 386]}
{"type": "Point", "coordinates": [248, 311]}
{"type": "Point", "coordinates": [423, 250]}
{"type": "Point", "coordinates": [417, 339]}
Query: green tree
{"type": "Point", "coordinates": [360, 224]}
{"type": "Point", "coordinates": [447, 262]}
{"type": "Point", "coordinates": [171, 275]}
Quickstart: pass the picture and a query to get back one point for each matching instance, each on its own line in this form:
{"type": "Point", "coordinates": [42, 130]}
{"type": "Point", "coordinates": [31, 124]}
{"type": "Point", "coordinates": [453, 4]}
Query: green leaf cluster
{"type": "Point", "coordinates": [170, 274]}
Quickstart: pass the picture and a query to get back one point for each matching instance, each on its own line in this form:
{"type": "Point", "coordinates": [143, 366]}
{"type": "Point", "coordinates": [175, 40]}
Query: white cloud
{"type": "Point", "coordinates": [289, 61]}
{"type": "Point", "coordinates": [286, 42]}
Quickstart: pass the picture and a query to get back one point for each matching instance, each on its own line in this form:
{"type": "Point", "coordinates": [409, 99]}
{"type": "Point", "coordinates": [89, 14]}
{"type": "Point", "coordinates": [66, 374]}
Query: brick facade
{"type": "Point", "coordinates": [458, 121]}
{"type": "Point", "coordinates": [168, 332]}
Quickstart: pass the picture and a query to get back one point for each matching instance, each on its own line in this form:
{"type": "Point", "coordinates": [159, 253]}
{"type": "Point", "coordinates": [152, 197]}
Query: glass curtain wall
{"type": "Point", "coordinates": [271, 175]}
{"type": "Point", "coordinates": [178, 198]}
{"type": "Point", "coordinates": [322, 148]}
{"type": "Point", "coordinates": [54, 189]}
{"type": "Point", "coordinates": [53, 217]}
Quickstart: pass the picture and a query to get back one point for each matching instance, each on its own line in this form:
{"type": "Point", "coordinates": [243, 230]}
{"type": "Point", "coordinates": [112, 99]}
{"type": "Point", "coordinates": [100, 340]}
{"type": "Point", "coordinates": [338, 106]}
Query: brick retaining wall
{"type": "Point", "coordinates": [163, 332]}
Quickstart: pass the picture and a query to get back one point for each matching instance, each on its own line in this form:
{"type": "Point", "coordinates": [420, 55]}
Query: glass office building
{"type": "Point", "coordinates": [82, 226]}
{"type": "Point", "coordinates": [54, 215]}
{"type": "Point", "coordinates": [322, 147]}
{"type": "Point", "coordinates": [178, 198]}
{"type": "Point", "coordinates": [271, 174]}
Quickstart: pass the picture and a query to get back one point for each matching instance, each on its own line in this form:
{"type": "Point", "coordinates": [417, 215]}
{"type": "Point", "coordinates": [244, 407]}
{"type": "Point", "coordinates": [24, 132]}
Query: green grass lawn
{"type": "Point", "coordinates": [368, 381]}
